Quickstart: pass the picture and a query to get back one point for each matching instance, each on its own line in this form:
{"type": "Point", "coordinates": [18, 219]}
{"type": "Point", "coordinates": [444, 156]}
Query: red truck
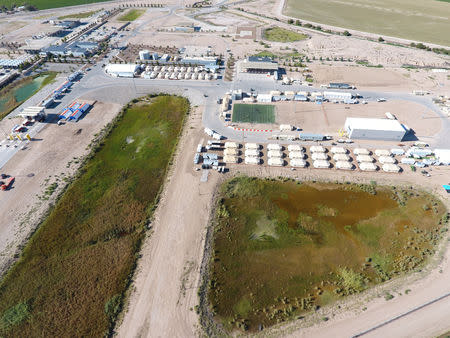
{"type": "Point", "coordinates": [7, 184]}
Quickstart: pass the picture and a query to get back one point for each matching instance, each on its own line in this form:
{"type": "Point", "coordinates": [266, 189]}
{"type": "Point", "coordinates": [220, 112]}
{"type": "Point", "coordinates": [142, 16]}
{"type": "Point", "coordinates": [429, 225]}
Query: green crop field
{"type": "Point", "coordinates": [46, 4]}
{"type": "Point", "coordinates": [131, 15]}
{"type": "Point", "coordinates": [253, 113]}
{"type": "Point", "coordinates": [282, 35]}
{"type": "Point", "coordinates": [282, 248]}
{"type": "Point", "coordinates": [81, 15]}
{"type": "Point", "coordinates": [71, 278]}
{"type": "Point", "coordinates": [421, 20]}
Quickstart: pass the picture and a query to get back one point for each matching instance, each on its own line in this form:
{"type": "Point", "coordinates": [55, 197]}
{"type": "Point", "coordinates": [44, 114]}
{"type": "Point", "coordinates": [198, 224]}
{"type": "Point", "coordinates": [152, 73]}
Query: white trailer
{"type": "Point", "coordinates": [387, 159]}
{"type": "Point", "coordinates": [391, 168]}
{"type": "Point", "coordinates": [361, 151]}
{"type": "Point", "coordinates": [231, 145]}
{"type": "Point", "coordinates": [276, 161]}
{"type": "Point", "coordinates": [317, 149]}
{"type": "Point", "coordinates": [251, 146]}
{"type": "Point", "coordinates": [367, 166]}
{"type": "Point", "coordinates": [297, 162]}
{"type": "Point", "coordinates": [319, 156]}
{"type": "Point", "coordinates": [297, 154]}
{"type": "Point", "coordinates": [274, 146]}
{"type": "Point", "coordinates": [344, 165]}
{"type": "Point", "coordinates": [295, 147]}
{"type": "Point", "coordinates": [341, 157]}
{"type": "Point", "coordinates": [321, 164]}
{"type": "Point", "coordinates": [364, 158]}
{"type": "Point", "coordinates": [252, 160]}
{"type": "Point", "coordinates": [209, 132]}
{"type": "Point", "coordinates": [274, 153]}
{"type": "Point", "coordinates": [217, 136]}
{"type": "Point", "coordinates": [252, 152]}
{"type": "Point", "coordinates": [285, 127]}
{"type": "Point", "coordinates": [338, 150]}
{"type": "Point", "coordinates": [382, 152]}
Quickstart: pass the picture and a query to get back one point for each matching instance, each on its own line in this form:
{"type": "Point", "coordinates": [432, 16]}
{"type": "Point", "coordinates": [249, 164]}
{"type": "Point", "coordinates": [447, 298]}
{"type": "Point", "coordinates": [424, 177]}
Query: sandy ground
{"type": "Point", "coordinates": [329, 118]}
{"type": "Point", "coordinates": [165, 288]}
{"type": "Point", "coordinates": [45, 160]}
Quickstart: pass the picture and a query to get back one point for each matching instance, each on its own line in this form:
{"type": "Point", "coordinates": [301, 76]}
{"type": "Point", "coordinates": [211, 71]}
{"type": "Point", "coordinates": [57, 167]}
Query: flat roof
{"type": "Point", "coordinates": [374, 124]}
{"type": "Point", "coordinates": [121, 68]}
{"type": "Point", "coordinates": [260, 65]}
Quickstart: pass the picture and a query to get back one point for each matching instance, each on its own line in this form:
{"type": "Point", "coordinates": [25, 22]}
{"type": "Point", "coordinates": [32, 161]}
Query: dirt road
{"type": "Point", "coordinates": [165, 295]}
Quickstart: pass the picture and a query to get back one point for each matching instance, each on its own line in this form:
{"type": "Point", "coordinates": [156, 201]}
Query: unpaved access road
{"type": "Point", "coordinates": [165, 289]}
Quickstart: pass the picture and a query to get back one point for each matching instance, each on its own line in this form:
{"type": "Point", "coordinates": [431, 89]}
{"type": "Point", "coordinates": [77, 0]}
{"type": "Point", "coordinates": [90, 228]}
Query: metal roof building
{"type": "Point", "coordinates": [121, 70]}
{"type": "Point", "coordinates": [260, 65]}
{"type": "Point", "coordinates": [374, 129]}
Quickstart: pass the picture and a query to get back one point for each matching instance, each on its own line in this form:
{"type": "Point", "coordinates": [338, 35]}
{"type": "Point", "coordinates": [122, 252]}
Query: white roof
{"type": "Point", "coordinates": [341, 157]}
{"type": "Point", "coordinates": [319, 156]}
{"type": "Point", "coordinates": [321, 164]}
{"type": "Point", "coordinates": [273, 146]}
{"type": "Point", "coordinates": [382, 152]}
{"type": "Point", "coordinates": [387, 159]}
{"type": "Point", "coordinates": [443, 155]}
{"type": "Point", "coordinates": [296, 154]}
{"type": "Point", "coordinates": [364, 158]}
{"type": "Point", "coordinates": [390, 167]}
{"type": "Point", "coordinates": [344, 165]}
{"type": "Point", "coordinates": [374, 124]}
{"type": "Point", "coordinates": [274, 153]}
{"type": "Point", "coordinates": [338, 150]}
{"type": "Point", "coordinates": [317, 149]}
{"type": "Point", "coordinates": [297, 162]}
{"type": "Point", "coordinates": [277, 161]}
{"type": "Point", "coordinates": [121, 68]}
{"type": "Point", "coordinates": [230, 159]}
{"type": "Point", "coordinates": [231, 151]}
{"type": "Point", "coordinates": [367, 166]}
{"type": "Point", "coordinates": [295, 147]}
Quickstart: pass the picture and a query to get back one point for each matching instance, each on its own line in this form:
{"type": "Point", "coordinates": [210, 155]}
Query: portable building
{"type": "Point", "coordinates": [252, 160]}
{"type": "Point", "coordinates": [275, 92]}
{"type": "Point", "coordinates": [341, 157]}
{"type": "Point", "coordinates": [251, 146]}
{"type": "Point", "coordinates": [217, 136]}
{"type": "Point", "coordinates": [197, 158]}
{"type": "Point", "coordinates": [264, 98]}
{"type": "Point", "coordinates": [408, 160]}
{"type": "Point", "coordinates": [397, 151]}
{"type": "Point", "coordinates": [361, 151]}
{"type": "Point", "coordinates": [387, 159]}
{"type": "Point", "coordinates": [297, 162]}
{"type": "Point", "coordinates": [199, 148]}
{"type": "Point", "coordinates": [276, 161]}
{"type": "Point", "coordinates": [209, 132]}
{"type": "Point", "coordinates": [364, 158]}
{"type": "Point", "coordinates": [319, 156]}
{"type": "Point", "coordinates": [321, 164]}
{"type": "Point", "coordinates": [144, 55]}
{"type": "Point", "coordinates": [296, 154]}
{"type": "Point", "coordinates": [311, 137]}
{"type": "Point", "coordinates": [295, 147]}
{"type": "Point", "coordinates": [252, 152]}
{"type": "Point", "coordinates": [443, 155]}
{"type": "Point", "coordinates": [274, 146]}
{"type": "Point", "coordinates": [367, 166]}
{"type": "Point", "coordinates": [231, 151]}
{"type": "Point", "coordinates": [344, 165]}
{"type": "Point", "coordinates": [338, 150]}
{"type": "Point", "coordinates": [374, 129]}
{"type": "Point", "coordinates": [391, 168]}
{"type": "Point", "coordinates": [284, 127]}
{"type": "Point", "coordinates": [341, 96]}
{"type": "Point", "coordinates": [231, 145]}
{"type": "Point", "coordinates": [211, 156]}
{"type": "Point", "coordinates": [274, 153]}
{"type": "Point", "coordinates": [317, 149]}
{"type": "Point", "coordinates": [122, 70]}
{"type": "Point", "coordinates": [382, 152]}
{"type": "Point", "coordinates": [48, 103]}
{"type": "Point", "coordinates": [301, 98]}
{"type": "Point", "coordinates": [230, 159]}
{"type": "Point", "coordinates": [209, 161]}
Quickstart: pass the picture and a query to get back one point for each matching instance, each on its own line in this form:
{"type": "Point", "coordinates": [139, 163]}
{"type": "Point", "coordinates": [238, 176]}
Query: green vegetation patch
{"type": "Point", "coordinates": [81, 15]}
{"type": "Point", "coordinates": [19, 91]}
{"type": "Point", "coordinates": [46, 4]}
{"type": "Point", "coordinates": [253, 113]}
{"type": "Point", "coordinates": [132, 15]}
{"type": "Point", "coordinates": [280, 248]}
{"type": "Point", "coordinates": [282, 35]}
{"type": "Point", "coordinates": [76, 268]}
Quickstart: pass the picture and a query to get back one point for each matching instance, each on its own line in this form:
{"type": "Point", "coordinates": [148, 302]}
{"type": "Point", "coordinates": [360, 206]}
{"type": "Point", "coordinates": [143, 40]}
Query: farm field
{"type": "Point", "coordinates": [81, 15]}
{"type": "Point", "coordinates": [282, 248]}
{"type": "Point", "coordinates": [74, 271]}
{"type": "Point", "coordinates": [46, 4]}
{"type": "Point", "coordinates": [253, 113]}
{"type": "Point", "coordinates": [278, 34]}
{"type": "Point", "coordinates": [421, 20]}
{"type": "Point", "coordinates": [131, 15]}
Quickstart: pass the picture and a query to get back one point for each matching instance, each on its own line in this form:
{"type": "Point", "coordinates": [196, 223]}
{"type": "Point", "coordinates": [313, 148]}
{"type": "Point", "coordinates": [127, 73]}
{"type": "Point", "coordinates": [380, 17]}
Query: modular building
{"type": "Point", "coordinates": [344, 165]}
{"type": "Point", "coordinates": [319, 156]}
{"type": "Point", "coordinates": [374, 129]}
{"type": "Point", "coordinates": [364, 158]}
{"type": "Point", "coordinates": [252, 152]}
{"type": "Point", "coordinates": [295, 147]}
{"type": "Point", "coordinates": [276, 161]}
{"type": "Point", "coordinates": [144, 55]}
{"type": "Point", "coordinates": [297, 162]}
{"type": "Point", "coordinates": [335, 85]}
{"type": "Point", "coordinates": [122, 70]}
{"type": "Point", "coordinates": [264, 98]}
{"type": "Point", "coordinates": [311, 137]}
{"type": "Point", "coordinates": [251, 146]}
{"type": "Point", "coordinates": [409, 161]}
{"type": "Point", "coordinates": [274, 153]}
{"type": "Point", "coordinates": [397, 151]}
{"type": "Point", "coordinates": [296, 154]}
{"type": "Point", "coordinates": [231, 145]}
{"type": "Point", "coordinates": [317, 149]}
{"type": "Point", "coordinates": [382, 152]}
{"type": "Point", "coordinates": [338, 150]}
{"type": "Point", "coordinates": [231, 151]}
{"type": "Point", "coordinates": [387, 159]}
{"type": "Point", "coordinates": [341, 157]}
{"type": "Point", "coordinates": [252, 160]}
{"type": "Point", "coordinates": [341, 96]}
{"type": "Point", "coordinates": [391, 168]}
{"type": "Point", "coordinates": [274, 146]}
{"type": "Point", "coordinates": [361, 151]}
{"type": "Point", "coordinates": [367, 166]}
{"type": "Point", "coordinates": [321, 164]}
{"type": "Point", "coordinates": [230, 159]}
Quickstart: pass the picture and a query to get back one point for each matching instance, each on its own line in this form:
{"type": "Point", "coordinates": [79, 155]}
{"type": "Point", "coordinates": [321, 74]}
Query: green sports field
{"type": "Point", "coordinates": [253, 113]}
{"type": "Point", "coordinates": [420, 20]}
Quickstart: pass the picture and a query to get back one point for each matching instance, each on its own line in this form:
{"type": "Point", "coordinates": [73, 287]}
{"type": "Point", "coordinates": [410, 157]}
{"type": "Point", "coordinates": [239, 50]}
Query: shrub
{"type": "Point", "coordinates": [14, 315]}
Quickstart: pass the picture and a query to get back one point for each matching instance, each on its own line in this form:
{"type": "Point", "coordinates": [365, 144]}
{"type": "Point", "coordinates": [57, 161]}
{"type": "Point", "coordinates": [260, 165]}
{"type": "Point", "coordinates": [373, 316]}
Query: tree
{"type": "Point", "coordinates": [290, 21]}
{"type": "Point", "coordinates": [346, 33]}
{"type": "Point", "coordinates": [380, 39]}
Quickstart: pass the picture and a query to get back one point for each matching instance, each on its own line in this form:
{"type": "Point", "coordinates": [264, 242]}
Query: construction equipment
{"type": "Point", "coordinates": [7, 185]}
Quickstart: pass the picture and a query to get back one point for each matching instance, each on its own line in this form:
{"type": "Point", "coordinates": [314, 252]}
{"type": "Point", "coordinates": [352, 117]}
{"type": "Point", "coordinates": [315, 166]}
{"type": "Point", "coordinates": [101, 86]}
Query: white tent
{"type": "Point", "coordinates": [382, 152]}
{"type": "Point", "coordinates": [367, 166]}
{"type": "Point", "coordinates": [387, 159]}
{"type": "Point", "coordinates": [319, 156]}
{"type": "Point", "coordinates": [297, 162]}
{"type": "Point", "coordinates": [296, 154]}
{"type": "Point", "coordinates": [251, 146]}
{"type": "Point", "coordinates": [344, 165]}
{"type": "Point", "coordinates": [341, 157]}
{"type": "Point", "coordinates": [361, 151]}
{"type": "Point", "coordinates": [295, 147]}
{"type": "Point", "coordinates": [364, 158]}
{"type": "Point", "coordinates": [321, 164]}
{"type": "Point", "coordinates": [391, 168]}
{"type": "Point", "coordinates": [230, 159]}
{"type": "Point", "coordinates": [274, 153]}
{"type": "Point", "coordinates": [274, 146]}
{"type": "Point", "coordinates": [338, 150]}
{"type": "Point", "coordinates": [276, 161]}
{"type": "Point", "coordinates": [317, 149]}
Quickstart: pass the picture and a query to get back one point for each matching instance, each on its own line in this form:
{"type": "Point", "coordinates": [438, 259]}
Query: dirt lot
{"type": "Point", "coordinates": [45, 162]}
{"type": "Point", "coordinates": [329, 118]}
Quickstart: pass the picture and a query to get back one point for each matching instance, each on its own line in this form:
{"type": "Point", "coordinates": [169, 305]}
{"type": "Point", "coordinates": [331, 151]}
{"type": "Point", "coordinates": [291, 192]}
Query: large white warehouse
{"type": "Point", "coordinates": [374, 129]}
{"type": "Point", "coordinates": [121, 70]}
